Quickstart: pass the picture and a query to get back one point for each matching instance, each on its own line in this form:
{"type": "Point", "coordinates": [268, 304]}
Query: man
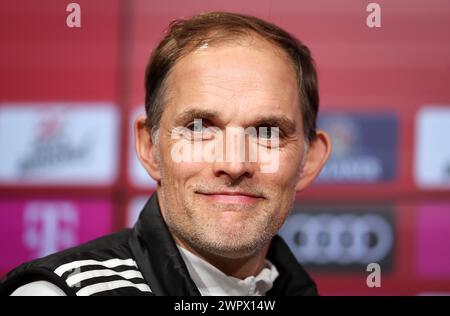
{"type": "Point", "coordinates": [210, 228]}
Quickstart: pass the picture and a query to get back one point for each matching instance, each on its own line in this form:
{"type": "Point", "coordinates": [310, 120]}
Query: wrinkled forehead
{"type": "Point", "coordinates": [242, 37]}
{"type": "Point", "coordinates": [236, 79]}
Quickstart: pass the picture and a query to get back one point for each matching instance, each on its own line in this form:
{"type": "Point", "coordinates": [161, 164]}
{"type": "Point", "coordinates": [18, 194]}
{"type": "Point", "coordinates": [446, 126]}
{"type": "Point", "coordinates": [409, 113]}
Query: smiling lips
{"type": "Point", "coordinates": [232, 197]}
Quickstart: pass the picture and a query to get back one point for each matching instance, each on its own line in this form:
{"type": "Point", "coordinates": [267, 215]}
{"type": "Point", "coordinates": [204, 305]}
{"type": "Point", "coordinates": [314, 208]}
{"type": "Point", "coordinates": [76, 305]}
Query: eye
{"type": "Point", "coordinates": [265, 132]}
{"type": "Point", "coordinates": [196, 127]}
{"type": "Point", "coordinates": [268, 136]}
{"type": "Point", "coordinates": [268, 132]}
{"type": "Point", "coordinates": [198, 130]}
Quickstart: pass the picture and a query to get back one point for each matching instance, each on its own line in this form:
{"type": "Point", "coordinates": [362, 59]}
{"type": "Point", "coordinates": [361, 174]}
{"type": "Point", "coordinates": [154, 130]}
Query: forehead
{"type": "Point", "coordinates": [238, 80]}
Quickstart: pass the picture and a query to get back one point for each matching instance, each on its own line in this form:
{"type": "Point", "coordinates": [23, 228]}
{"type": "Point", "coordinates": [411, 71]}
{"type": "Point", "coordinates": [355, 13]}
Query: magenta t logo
{"type": "Point", "coordinates": [50, 227]}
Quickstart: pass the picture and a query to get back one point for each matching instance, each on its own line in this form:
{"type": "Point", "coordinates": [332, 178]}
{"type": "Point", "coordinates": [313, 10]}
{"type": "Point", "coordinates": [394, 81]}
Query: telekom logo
{"type": "Point", "coordinates": [50, 227]}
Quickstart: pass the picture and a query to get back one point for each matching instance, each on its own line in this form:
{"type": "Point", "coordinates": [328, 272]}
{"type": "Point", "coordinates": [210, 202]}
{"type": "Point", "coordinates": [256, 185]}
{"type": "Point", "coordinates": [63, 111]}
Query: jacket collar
{"type": "Point", "coordinates": [293, 280]}
{"type": "Point", "coordinates": [164, 269]}
{"type": "Point", "coordinates": [158, 256]}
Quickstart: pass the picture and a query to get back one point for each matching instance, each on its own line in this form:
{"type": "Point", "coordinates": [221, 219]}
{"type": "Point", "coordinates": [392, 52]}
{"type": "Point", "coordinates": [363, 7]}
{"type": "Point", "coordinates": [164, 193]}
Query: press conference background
{"type": "Point", "coordinates": [68, 97]}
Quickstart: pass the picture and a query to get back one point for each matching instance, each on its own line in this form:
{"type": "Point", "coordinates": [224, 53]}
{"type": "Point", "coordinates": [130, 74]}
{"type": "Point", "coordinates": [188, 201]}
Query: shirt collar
{"type": "Point", "coordinates": [210, 281]}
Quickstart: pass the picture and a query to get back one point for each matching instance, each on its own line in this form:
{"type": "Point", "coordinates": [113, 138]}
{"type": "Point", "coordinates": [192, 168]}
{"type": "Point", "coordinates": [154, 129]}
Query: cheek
{"type": "Point", "coordinates": [288, 171]}
{"type": "Point", "coordinates": [178, 160]}
{"type": "Point", "coordinates": [176, 172]}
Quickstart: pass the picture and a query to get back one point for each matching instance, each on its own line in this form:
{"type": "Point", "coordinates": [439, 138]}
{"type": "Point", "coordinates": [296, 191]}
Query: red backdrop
{"type": "Point", "coordinates": [390, 82]}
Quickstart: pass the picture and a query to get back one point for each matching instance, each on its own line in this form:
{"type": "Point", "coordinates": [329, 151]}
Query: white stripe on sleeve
{"type": "Point", "coordinates": [107, 286]}
{"type": "Point", "coordinates": [112, 263]}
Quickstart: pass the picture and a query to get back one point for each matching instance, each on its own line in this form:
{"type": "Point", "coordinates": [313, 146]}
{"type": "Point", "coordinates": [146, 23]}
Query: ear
{"type": "Point", "coordinates": [145, 149]}
{"type": "Point", "coordinates": [316, 156]}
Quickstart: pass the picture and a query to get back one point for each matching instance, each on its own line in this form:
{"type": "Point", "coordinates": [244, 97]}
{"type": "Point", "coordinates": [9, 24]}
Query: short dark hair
{"type": "Point", "coordinates": [185, 35]}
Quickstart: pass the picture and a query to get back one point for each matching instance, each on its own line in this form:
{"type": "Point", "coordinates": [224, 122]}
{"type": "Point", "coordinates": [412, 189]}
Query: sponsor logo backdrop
{"type": "Point", "coordinates": [69, 97]}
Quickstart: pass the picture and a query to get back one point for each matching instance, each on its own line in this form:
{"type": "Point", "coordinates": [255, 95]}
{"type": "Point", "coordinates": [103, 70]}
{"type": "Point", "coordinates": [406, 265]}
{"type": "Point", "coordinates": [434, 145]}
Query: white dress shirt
{"type": "Point", "coordinates": [212, 282]}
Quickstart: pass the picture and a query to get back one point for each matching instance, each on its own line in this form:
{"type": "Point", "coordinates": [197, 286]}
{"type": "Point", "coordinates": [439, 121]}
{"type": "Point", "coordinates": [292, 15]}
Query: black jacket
{"type": "Point", "coordinates": [141, 261]}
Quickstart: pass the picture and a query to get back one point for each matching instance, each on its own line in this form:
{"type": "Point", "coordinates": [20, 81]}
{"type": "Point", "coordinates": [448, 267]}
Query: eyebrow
{"type": "Point", "coordinates": [192, 114]}
{"type": "Point", "coordinates": [285, 124]}
{"type": "Point", "coordinates": [282, 122]}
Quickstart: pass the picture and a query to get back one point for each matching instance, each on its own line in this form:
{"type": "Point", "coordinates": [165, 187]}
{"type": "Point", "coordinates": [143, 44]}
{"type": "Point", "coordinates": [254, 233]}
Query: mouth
{"type": "Point", "coordinates": [232, 197]}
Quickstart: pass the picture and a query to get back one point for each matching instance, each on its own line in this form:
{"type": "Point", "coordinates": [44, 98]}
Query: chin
{"type": "Point", "coordinates": [233, 251]}
{"type": "Point", "coordinates": [233, 246]}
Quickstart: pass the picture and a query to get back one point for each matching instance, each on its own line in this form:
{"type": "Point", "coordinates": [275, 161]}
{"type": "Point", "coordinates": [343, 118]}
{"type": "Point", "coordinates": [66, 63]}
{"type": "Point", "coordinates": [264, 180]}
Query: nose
{"type": "Point", "coordinates": [235, 163]}
{"type": "Point", "coordinates": [234, 170]}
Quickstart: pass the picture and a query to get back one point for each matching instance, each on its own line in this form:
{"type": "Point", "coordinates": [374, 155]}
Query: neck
{"type": "Point", "coordinates": [240, 268]}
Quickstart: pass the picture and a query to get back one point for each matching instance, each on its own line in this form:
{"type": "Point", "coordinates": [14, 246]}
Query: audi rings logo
{"type": "Point", "coordinates": [338, 238]}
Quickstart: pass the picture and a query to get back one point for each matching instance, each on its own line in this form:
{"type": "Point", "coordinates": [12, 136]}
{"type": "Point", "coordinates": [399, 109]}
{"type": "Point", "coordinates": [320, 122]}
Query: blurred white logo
{"type": "Point", "coordinates": [343, 238]}
{"type": "Point", "coordinates": [50, 227]}
{"type": "Point", "coordinates": [58, 143]}
{"type": "Point", "coordinates": [432, 160]}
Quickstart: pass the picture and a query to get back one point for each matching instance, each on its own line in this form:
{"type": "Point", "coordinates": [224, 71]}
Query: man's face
{"type": "Point", "coordinates": [232, 208]}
